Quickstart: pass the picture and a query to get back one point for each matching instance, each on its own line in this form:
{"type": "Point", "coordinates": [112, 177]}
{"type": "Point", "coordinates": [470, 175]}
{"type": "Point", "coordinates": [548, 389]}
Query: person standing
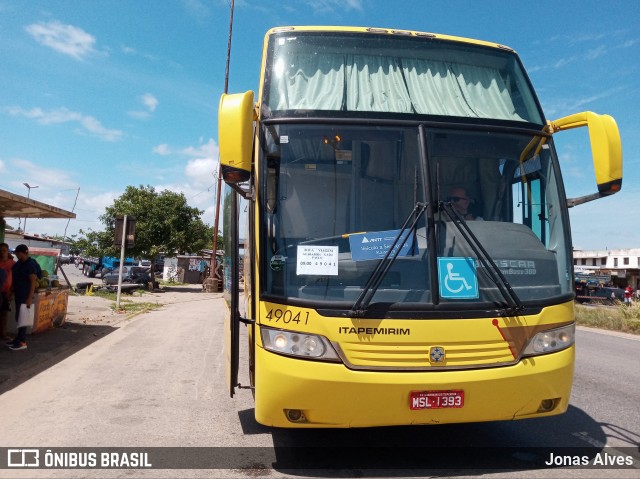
{"type": "Point", "coordinates": [25, 277]}
{"type": "Point", "coordinates": [6, 263]}
{"type": "Point", "coordinates": [628, 295]}
{"type": "Point", "coordinates": [3, 280]}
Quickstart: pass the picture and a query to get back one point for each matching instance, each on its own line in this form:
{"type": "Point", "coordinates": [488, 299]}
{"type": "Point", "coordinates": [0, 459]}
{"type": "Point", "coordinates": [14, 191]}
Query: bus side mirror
{"type": "Point", "coordinates": [606, 149]}
{"type": "Point", "coordinates": [235, 136]}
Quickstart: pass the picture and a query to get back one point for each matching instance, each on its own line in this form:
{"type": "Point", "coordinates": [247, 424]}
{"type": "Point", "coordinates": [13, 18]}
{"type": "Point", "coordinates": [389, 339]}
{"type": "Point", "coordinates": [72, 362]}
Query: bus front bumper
{"type": "Point", "coordinates": [297, 393]}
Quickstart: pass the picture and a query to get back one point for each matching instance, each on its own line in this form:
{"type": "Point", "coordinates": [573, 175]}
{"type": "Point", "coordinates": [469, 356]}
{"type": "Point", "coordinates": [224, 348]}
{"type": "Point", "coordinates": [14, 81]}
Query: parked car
{"type": "Point", "coordinates": [130, 275]}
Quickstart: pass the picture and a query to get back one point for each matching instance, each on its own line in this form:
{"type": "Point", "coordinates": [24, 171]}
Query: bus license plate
{"type": "Point", "coordinates": [436, 399]}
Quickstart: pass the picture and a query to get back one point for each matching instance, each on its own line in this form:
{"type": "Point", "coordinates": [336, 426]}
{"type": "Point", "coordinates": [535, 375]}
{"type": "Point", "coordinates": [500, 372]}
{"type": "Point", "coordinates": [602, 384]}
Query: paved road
{"type": "Point", "coordinates": [159, 381]}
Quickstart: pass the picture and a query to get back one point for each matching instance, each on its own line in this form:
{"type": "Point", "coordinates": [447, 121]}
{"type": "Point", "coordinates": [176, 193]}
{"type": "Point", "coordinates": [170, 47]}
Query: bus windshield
{"type": "Point", "coordinates": [313, 72]}
{"type": "Point", "coordinates": [336, 196]}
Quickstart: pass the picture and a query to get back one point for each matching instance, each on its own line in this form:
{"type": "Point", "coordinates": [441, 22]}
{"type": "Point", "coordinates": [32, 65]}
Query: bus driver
{"type": "Point", "coordinates": [461, 201]}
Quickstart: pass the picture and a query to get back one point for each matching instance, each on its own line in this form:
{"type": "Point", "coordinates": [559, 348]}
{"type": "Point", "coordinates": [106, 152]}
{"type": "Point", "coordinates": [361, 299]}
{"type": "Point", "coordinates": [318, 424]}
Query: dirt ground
{"type": "Point", "coordinates": [100, 311]}
{"type": "Point", "coordinates": [96, 310]}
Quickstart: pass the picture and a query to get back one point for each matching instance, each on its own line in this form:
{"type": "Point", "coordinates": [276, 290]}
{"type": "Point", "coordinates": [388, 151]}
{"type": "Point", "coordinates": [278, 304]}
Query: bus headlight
{"type": "Point", "coordinates": [292, 343]}
{"type": "Point", "coordinates": [551, 341]}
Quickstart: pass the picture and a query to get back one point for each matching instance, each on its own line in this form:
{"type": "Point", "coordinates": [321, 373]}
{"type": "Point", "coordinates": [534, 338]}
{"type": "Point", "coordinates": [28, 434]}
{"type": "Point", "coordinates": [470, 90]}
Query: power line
{"type": "Point", "coordinates": [226, 90]}
{"type": "Point", "coordinates": [203, 191]}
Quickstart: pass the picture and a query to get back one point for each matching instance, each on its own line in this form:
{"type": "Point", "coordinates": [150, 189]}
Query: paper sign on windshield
{"type": "Point", "coordinates": [374, 245]}
{"type": "Point", "coordinates": [317, 260]}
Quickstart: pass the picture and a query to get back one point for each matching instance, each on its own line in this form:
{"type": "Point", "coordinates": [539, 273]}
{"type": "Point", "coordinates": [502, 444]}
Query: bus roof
{"type": "Point", "coordinates": [388, 31]}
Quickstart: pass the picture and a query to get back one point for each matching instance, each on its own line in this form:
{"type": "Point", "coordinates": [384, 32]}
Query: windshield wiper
{"type": "Point", "coordinates": [513, 303]}
{"type": "Point", "coordinates": [359, 308]}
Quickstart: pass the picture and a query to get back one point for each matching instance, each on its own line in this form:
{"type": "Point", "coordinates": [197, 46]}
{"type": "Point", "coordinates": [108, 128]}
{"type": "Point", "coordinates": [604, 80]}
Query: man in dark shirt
{"type": "Point", "coordinates": [25, 277]}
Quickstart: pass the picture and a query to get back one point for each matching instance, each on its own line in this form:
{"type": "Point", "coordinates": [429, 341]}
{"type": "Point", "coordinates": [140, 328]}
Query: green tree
{"type": "Point", "coordinates": [165, 223]}
{"type": "Point", "coordinates": [94, 243]}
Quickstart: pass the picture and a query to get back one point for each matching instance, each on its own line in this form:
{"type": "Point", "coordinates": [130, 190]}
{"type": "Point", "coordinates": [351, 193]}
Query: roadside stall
{"type": "Point", "coordinates": [51, 299]}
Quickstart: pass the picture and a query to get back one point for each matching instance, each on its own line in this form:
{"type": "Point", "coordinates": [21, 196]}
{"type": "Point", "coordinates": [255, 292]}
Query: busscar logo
{"type": "Point", "coordinates": [23, 457]}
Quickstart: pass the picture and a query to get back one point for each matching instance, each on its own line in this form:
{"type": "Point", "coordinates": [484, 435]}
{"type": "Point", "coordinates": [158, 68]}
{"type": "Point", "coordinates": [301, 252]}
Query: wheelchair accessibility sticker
{"type": "Point", "coordinates": [458, 278]}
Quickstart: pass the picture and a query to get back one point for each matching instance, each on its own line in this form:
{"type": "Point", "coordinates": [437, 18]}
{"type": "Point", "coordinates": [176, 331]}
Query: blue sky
{"type": "Point", "coordinates": [99, 95]}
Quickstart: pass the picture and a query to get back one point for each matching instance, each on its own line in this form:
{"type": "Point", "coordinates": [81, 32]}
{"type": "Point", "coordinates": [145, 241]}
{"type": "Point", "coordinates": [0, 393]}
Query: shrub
{"type": "Point", "coordinates": [616, 318]}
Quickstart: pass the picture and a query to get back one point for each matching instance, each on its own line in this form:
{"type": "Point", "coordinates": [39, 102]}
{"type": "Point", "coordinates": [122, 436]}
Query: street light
{"type": "Point", "coordinates": [29, 187]}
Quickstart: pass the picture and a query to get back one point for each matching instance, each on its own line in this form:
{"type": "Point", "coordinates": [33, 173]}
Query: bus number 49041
{"type": "Point", "coordinates": [286, 316]}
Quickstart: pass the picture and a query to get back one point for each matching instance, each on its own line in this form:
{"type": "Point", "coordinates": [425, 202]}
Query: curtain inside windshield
{"type": "Point", "coordinates": [395, 76]}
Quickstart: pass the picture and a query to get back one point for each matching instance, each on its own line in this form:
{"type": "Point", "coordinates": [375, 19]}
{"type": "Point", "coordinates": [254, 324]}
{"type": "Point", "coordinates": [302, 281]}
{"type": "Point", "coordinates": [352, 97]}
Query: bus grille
{"type": "Point", "coordinates": [410, 356]}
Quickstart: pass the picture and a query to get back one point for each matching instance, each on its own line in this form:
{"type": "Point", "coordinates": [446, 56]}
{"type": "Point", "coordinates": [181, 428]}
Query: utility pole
{"type": "Point", "coordinates": [29, 187]}
{"type": "Point", "coordinates": [121, 268]}
{"type": "Point", "coordinates": [64, 240]}
{"type": "Point", "coordinates": [216, 224]}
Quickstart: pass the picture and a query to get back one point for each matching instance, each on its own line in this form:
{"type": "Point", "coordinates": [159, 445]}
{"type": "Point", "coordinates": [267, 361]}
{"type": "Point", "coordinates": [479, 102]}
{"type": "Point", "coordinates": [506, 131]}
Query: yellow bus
{"type": "Point", "coordinates": [407, 255]}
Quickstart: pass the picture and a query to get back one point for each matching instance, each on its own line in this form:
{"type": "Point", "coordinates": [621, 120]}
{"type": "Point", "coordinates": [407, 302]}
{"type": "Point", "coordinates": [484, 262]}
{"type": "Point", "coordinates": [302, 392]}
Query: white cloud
{"type": "Point", "coordinates": [562, 106]}
{"type": "Point", "coordinates": [150, 101]}
{"type": "Point", "coordinates": [209, 150]}
{"type": "Point", "coordinates": [66, 39]}
{"type": "Point", "coordinates": [564, 61]}
{"type": "Point", "coordinates": [597, 52]}
{"type": "Point", "coordinates": [354, 5]}
{"type": "Point", "coordinates": [204, 150]}
{"type": "Point", "coordinates": [25, 171]}
{"type": "Point", "coordinates": [139, 115]}
{"type": "Point", "coordinates": [197, 195]}
{"type": "Point", "coordinates": [197, 8]}
{"type": "Point", "coordinates": [98, 202]}
{"type": "Point", "coordinates": [331, 6]}
{"type": "Point", "coordinates": [209, 214]}
{"type": "Point", "coordinates": [93, 126]}
{"type": "Point", "coordinates": [200, 175]}
{"type": "Point", "coordinates": [60, 115]}
{"type": "Point", "coordinates": [162, 149]}
{"type": "Point", "coordinates": [579, 103]}
{"type": "Point", "coordinates": [87, 123]}
{"type": "Point", "coordinates": [201, 171]}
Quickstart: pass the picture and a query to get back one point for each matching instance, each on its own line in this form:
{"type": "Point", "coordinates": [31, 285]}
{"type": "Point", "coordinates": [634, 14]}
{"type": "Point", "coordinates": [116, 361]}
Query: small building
{"type": "Point", "coordinates": [14, 238]}
{"type": "Point", "coordinates": [623, 265]}
{"type": "Point", "coordinates": [186, 269]}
